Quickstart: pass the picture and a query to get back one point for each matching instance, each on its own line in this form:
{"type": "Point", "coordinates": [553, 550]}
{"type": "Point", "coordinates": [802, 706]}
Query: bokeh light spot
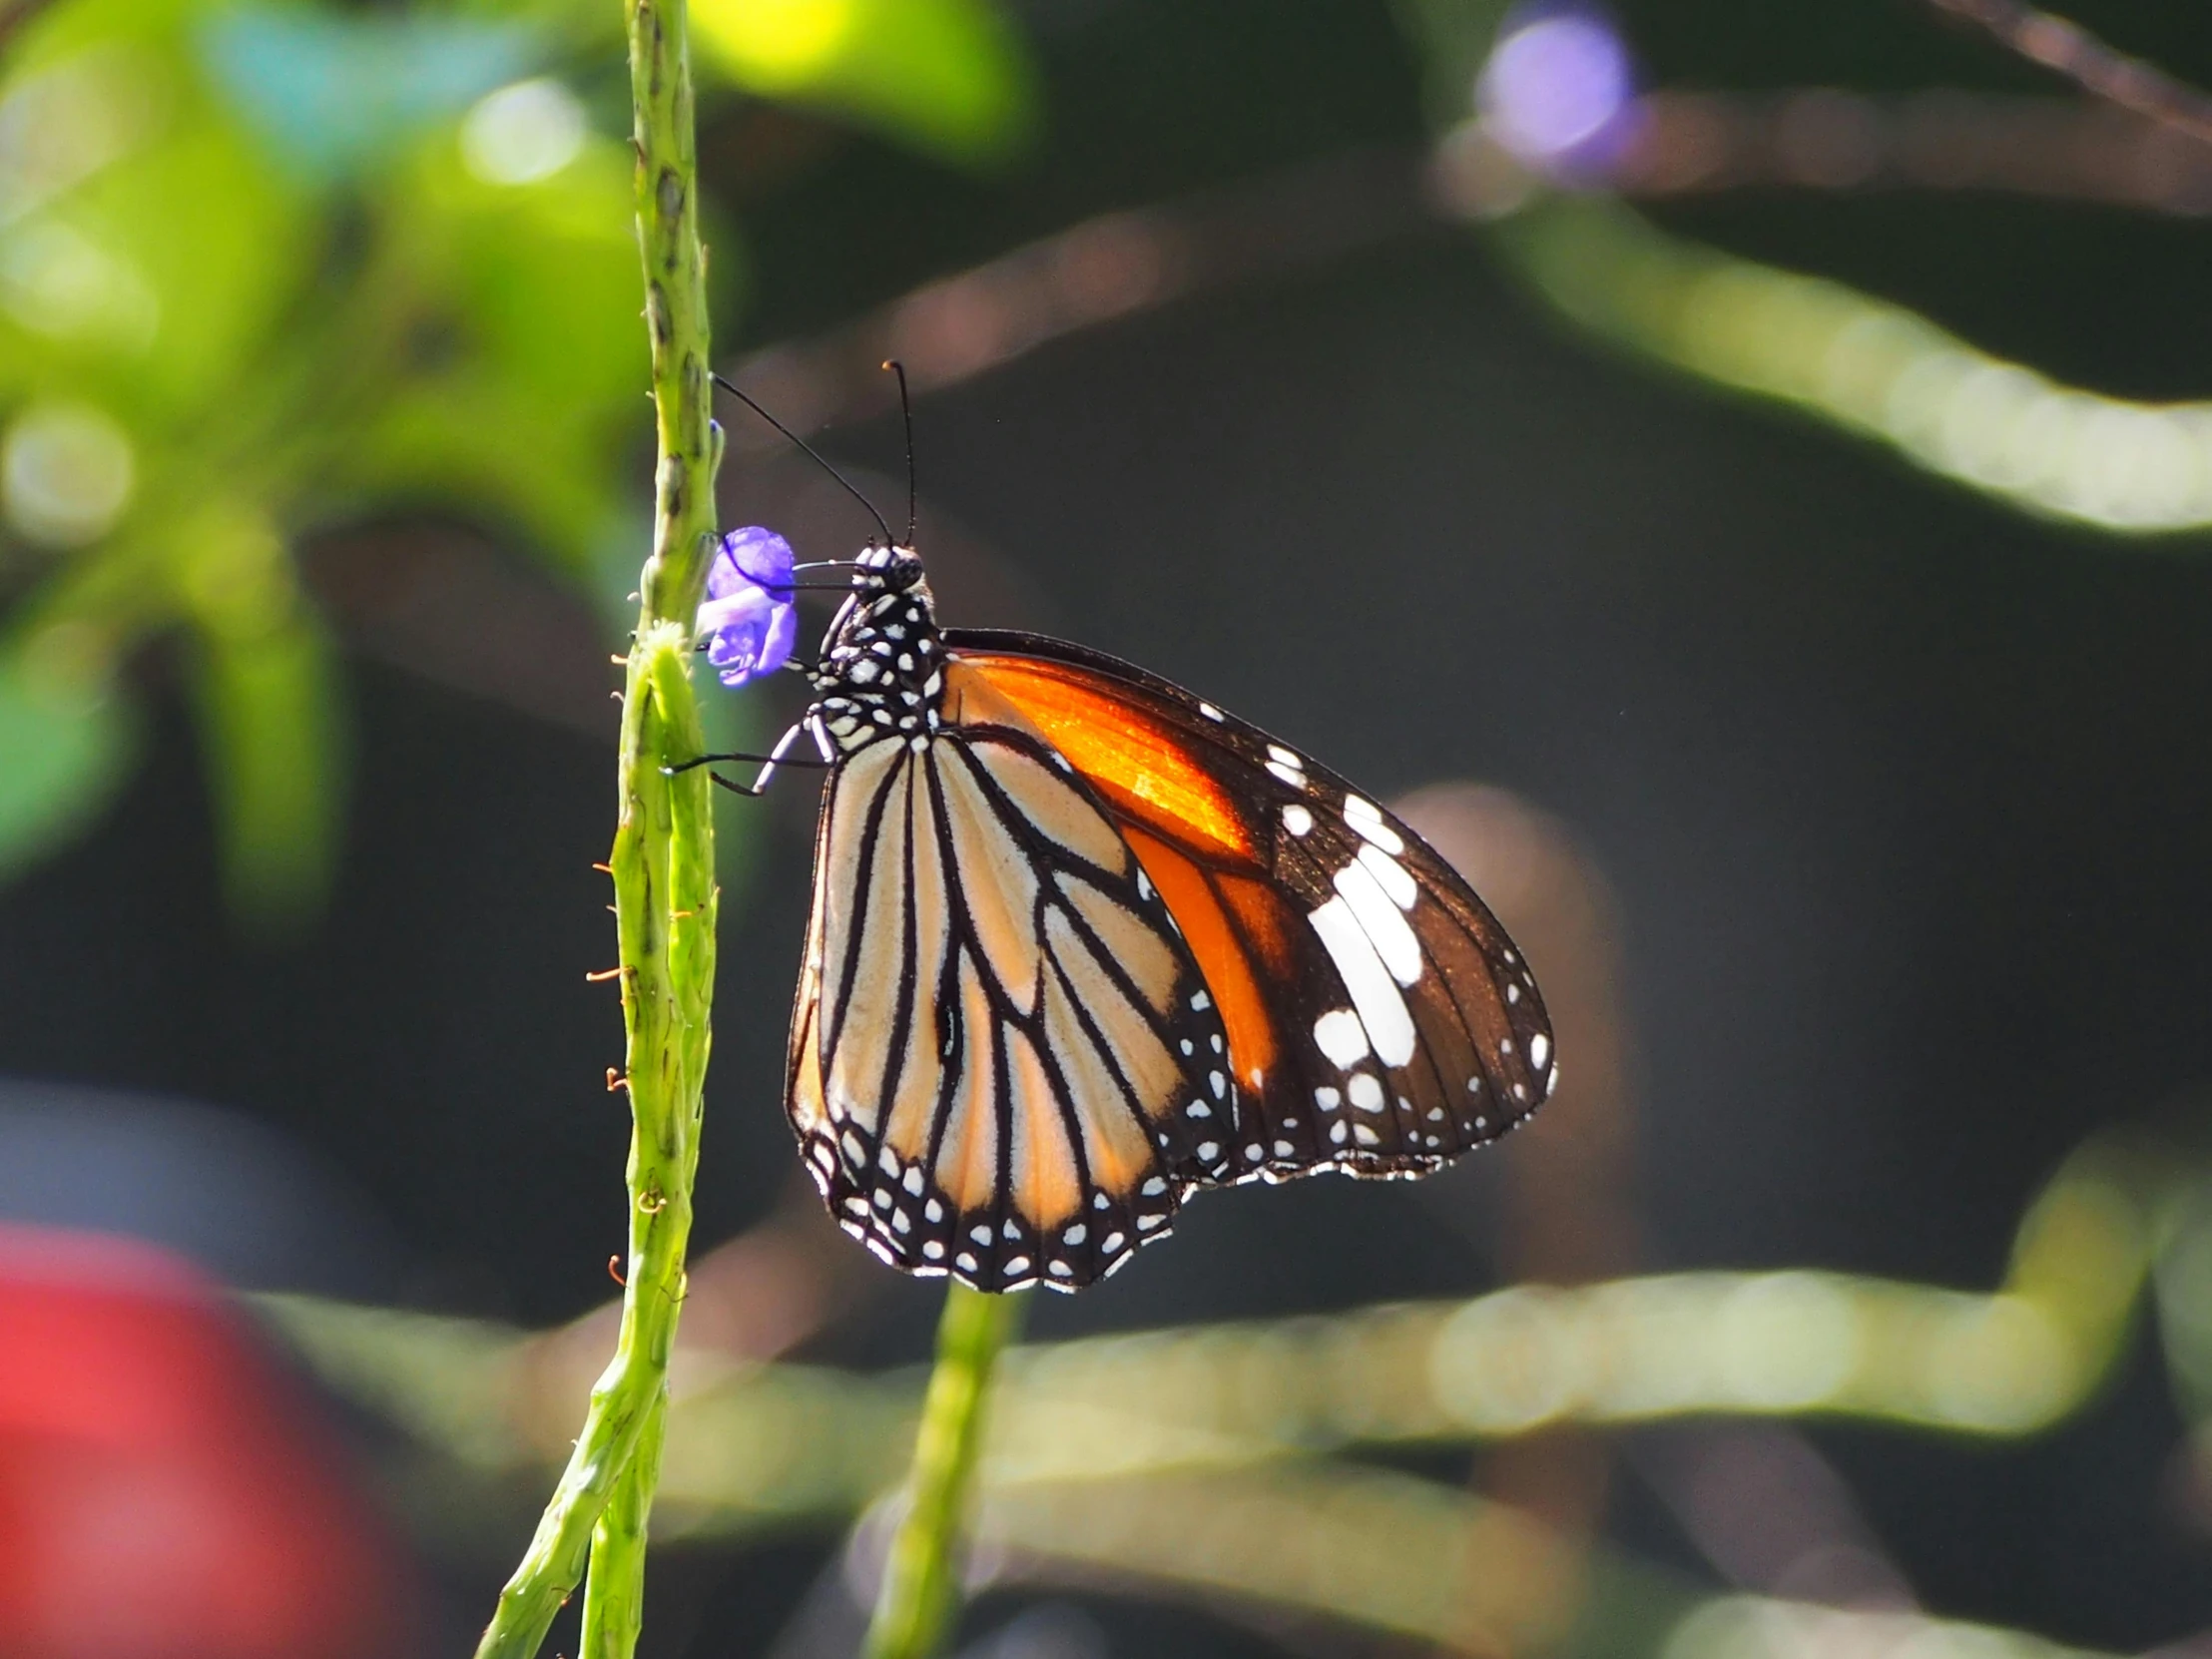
{"type": "Point", "coordinates": [1554, 86]}
{"type": "Point", "coordinates": [66, 473]}
{"type": "Point", "coordinates": [523, 132]}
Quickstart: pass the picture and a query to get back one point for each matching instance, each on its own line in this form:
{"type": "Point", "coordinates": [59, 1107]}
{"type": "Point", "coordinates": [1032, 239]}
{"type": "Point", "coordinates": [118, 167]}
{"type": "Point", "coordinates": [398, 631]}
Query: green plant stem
{"type": "Point", "coordinates": [665, 901]}
{"type": "Point", "coordinates": [614, 1588]}
{"type": "Point", "coordinates": [921, 1590]}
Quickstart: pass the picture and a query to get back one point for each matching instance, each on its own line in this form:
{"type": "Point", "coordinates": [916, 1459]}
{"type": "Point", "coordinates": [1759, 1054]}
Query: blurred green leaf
{"type": "Point", "coordinates": [207, 227]}
{"type": "Point", "coordinates": [65, 743]}
{"type": "Point", "coordinates": [533, 356]}
{"type": "Point", "coordinates": [949, 76]}
{"type": "Point", "coordinates": [268, 716]}
{"type": "Point", "coordinates": [263, 683]}
{"type": "Point", "coordinates": [266, 268]}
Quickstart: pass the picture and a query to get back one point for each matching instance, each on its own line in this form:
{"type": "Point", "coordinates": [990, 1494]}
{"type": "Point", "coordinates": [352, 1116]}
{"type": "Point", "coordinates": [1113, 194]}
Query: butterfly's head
{"type": "Point", "coordinates": [888, 570]}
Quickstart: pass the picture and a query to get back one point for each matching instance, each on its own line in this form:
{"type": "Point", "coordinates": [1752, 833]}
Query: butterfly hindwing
{"type": "Point", "coordinates": [1005, 1063]}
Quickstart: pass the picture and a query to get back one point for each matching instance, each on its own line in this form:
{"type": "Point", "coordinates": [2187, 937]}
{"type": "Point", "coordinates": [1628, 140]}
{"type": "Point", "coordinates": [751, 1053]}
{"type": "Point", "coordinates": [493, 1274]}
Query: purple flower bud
{"type": "Point", "coordinates": [749, 616]}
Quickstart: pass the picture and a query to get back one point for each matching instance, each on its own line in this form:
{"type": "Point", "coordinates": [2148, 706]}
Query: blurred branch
{"type": "Point", "coordinates": [922, 1577]}
{"type": "Point", "coordinates": [2070, 49]}
{"type": "Point", "coordinates": [1871, 367]}
{"type": "Point", "coordinates": [754, 1443]}
{"type": "Point", "coordinates": [1868, 365]}
{"type": "Point", "coordinates": [665, 906]}
{"type": "Point", "coordinates": [1390, 1552]}
{"type": "Point", "coordinates": [1827, 137]}
{"type": "Point", "coordinates": [1105, 268]}
{"type": "Point", "coordinates": [1379, 1549]}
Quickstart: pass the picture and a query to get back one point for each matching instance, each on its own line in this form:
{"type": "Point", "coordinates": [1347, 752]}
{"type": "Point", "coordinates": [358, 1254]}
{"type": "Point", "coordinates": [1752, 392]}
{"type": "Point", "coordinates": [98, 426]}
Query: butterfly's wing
{"type": "Point", "coordinates": [1380, 1021]}
{"type": "Point", "coordinates": [1004, 1061]}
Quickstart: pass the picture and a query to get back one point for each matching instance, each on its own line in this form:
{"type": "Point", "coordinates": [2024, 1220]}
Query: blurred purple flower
{"type": "Point", "coordinates": [1560, 88]}
{"type": "Point", "coordinates": [748, 617]}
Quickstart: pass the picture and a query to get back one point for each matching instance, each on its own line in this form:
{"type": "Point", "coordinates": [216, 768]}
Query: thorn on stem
{"type": "Point", "coordinates": [604, 973]}
{"type": "Point", "coordinates": [614, 1272]}
{"type": "Point", "coordinates": [615, 1080]}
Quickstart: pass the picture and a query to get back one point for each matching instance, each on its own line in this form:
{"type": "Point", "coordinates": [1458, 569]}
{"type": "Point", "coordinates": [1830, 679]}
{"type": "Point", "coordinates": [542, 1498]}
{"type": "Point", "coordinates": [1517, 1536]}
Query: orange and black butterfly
{"type": "Point", "coordinates": [1083, 944]}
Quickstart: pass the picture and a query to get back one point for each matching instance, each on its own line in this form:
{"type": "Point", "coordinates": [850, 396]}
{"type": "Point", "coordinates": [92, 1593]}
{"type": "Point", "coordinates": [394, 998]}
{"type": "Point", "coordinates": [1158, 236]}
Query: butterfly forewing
{"type": "Point", "coordinates": [1380, 1021]}
{"type": "Point", "coordinates": [1005, 1063]}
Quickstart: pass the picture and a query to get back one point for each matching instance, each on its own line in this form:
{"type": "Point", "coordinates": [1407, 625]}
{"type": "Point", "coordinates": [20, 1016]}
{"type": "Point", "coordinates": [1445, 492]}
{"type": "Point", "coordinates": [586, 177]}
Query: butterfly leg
{"type": "Point", "coordinates": [775, 757]}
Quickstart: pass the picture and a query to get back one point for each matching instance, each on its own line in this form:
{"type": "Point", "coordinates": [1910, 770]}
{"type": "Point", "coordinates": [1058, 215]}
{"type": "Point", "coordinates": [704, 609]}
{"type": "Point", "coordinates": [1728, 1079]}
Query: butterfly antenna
{"type": "Point", "coordinates": [810, 452]}
{"type": "Point", "coordinates": [906, 413]}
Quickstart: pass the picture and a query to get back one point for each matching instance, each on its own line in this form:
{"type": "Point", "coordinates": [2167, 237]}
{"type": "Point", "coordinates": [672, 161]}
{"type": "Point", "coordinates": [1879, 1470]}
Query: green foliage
{"type": "Point", "coordinates": [64, 745]}
{"type": "Point", "coordinates": [248, 284]}
{"type": "Point", "coordinates": [945, 75]}
{"type": "Point", "coordinates": [270, 267]}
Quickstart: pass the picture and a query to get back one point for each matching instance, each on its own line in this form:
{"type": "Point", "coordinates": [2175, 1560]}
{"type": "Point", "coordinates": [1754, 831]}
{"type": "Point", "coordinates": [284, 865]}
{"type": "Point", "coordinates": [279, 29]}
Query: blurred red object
{"type": "Point", "coordinates": [166, 1492]}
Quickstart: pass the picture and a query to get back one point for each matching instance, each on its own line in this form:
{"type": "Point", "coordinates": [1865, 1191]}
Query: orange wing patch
{"type": "Point", "coordinates": [1221, 956]}
{"type": "Point", "coordinates": [1141, 769]}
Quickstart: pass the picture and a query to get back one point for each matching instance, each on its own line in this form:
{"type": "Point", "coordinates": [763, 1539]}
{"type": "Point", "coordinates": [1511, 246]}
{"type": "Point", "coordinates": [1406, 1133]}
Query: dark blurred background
{"type": "Point", "coordinates": [1888, 790]}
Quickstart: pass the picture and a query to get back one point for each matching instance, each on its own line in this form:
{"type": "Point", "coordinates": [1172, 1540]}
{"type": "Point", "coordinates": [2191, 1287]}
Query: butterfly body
{"type": "Point", "coordinates": [1083, 943]}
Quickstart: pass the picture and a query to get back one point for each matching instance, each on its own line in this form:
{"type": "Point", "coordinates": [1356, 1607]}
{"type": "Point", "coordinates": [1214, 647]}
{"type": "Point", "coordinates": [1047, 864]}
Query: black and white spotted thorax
{"type": "Point", "coordinates": [881, 674]}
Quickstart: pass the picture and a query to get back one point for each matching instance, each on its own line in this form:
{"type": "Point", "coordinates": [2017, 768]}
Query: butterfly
{"type": "Point", "coordinates": [1083, 944]}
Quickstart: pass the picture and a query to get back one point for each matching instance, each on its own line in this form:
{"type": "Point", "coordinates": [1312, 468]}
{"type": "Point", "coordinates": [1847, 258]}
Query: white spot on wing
{"type": "Point", "coordinates": [1287, 775]}
{"type": "Point", "coordinates": [1296, 820]}
{"type": "Point", "coordinates": [1374, 993]}
{"type": "Point", "coordinates": [1209, 711]}
{"type": "Point", "coordinates": [1365, 816]}
{"type": "Point", "coordinates": [1367, 1093]}
{"type": "Point", "coordinates": [1382, 922]}
{"type": "Point", "coordinates": [1539, 1050]}
{"type": "Point", "coordinates": [1391, 875]}
{"type": "Point", "coordinates": [1343, 1038]}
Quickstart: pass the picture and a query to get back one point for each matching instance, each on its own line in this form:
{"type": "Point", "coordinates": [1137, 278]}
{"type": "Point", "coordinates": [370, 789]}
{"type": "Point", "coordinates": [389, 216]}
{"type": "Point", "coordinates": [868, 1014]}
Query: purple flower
{"type": "Point", "coordinates": [748, 617]}
{"type": "Point", "coordinates": [1559, 89]}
